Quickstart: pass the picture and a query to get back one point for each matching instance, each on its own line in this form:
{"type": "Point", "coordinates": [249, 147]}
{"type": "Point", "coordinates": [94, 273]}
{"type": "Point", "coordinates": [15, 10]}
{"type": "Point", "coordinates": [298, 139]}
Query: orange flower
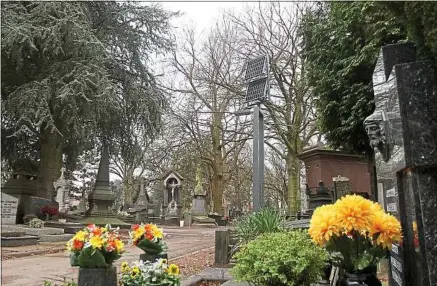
{"type": "Point", "coordinates": [77, 244]}
{"type": "Point", "coordinates": [355, 213]}
{"type": "Point", "coordinates": [97, 231]}
{"type": "Point", "coordinates": [149, 236]}
{"type": "Point", "coordinates": [323, 224]}
{"type": "Point", "coordinates": [386, 228]}
{"type": "Point", "coordinates": [135, 226]}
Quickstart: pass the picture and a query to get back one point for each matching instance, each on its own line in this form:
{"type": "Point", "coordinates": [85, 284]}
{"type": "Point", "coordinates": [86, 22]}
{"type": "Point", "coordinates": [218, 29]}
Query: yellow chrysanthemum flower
{"type": "Point", "coordinates": [119, 245]}
{"type": "Point", "coordinates": [173, 269]}
{"type": "Point", "coordinates": [355, 213]}
{"type": "Point", "coordinates": [323, 224]}
{"type": "Point", "coordinates": [157, 232]}
{"type": "Point", "coordinates": [80, 235]}
{"type": "Point", "coordinates": [96, 242]}
{"type": "Point", "coordinates": [386, 228]}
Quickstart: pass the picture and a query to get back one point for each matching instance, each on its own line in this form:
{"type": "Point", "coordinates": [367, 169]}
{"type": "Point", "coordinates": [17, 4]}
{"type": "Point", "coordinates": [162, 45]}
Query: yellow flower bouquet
{"type": "Point", "coordinates": [159, 273]}
{"type": "Point", "coordinates": [149, 238]}
{"type": "Point", "coordinates": [95, 247]}
{"type": "Point", "coordinates": [356, 231]}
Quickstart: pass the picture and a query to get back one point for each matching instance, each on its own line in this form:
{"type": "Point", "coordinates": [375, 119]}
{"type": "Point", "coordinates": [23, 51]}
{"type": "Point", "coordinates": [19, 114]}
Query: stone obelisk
{"type": "Point", "coordinates": [103, 196]}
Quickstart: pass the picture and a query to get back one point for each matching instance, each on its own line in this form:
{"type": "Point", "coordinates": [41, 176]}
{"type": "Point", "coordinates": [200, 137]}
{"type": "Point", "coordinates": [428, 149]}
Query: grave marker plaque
{"type": "Point", "coordinates": [9, 209]}
{"type": "Point", "coordinates": [403, 132]}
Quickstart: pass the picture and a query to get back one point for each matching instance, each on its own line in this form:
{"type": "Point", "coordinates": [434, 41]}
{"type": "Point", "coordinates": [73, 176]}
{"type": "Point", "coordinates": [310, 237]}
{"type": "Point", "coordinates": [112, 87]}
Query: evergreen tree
{"type": "Point", "coordinates": [67, 68]}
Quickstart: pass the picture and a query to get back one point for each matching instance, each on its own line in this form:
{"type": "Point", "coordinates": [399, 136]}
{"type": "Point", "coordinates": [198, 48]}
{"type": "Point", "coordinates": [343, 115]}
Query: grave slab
{"type": "Point", "coordinates": [19, 241]}
{"type": "Point", "coordinates": [33, 231]}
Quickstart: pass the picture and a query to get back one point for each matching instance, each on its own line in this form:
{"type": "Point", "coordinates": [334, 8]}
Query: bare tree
{"type": "Point", "coordinates": [205, 68]}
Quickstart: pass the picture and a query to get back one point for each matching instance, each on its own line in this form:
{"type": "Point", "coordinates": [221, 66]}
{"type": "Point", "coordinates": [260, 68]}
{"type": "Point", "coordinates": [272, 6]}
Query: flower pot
{"type": "Point", "coordinates": [153, 257]}
{"type": "Point", "coordinates": [62, 220]}
{"type": "Point", "coordinates": [181, 223]}
{"type": "Point", "coordinates": [355, 279]}
{"type": "Point", "coordinates": [97, 276]}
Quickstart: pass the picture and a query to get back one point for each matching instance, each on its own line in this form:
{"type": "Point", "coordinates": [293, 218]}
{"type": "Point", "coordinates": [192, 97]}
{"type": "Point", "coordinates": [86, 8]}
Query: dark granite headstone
{"type": "Point", "coordinates": [403, 131]}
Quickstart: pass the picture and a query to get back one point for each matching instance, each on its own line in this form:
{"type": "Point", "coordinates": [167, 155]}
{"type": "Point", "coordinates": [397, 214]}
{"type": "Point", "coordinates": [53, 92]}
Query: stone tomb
{"type": "Point", "coordinates": [403, 132]}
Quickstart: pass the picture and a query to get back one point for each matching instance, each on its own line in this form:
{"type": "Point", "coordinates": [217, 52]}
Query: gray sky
{"type": "Point", "coordinates": [200, 14]}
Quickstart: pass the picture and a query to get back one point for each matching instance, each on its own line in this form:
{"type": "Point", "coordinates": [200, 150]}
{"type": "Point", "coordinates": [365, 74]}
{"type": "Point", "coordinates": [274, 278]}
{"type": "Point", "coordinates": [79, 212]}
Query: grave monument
{"type": "Point", "coordinates": [23, 185]}
{"type": "Point", "coordinates": [172, 206]}
{"type": "Point", "coordinates": [103, 197]}
{"type": "Point", "coordinates": [142, 207]}
{"type": "Point", "coordinates": [403, 132]}
{"type": "Point", "coordinates": [199, 208]}
{"type": "Point", "coordinates": [61, 189]}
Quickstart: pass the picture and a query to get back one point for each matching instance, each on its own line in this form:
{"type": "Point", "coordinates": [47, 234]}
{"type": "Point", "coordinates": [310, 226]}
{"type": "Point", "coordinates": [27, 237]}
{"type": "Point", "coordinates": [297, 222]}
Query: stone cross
{"type": "Point", "coordinates": [403, 132]}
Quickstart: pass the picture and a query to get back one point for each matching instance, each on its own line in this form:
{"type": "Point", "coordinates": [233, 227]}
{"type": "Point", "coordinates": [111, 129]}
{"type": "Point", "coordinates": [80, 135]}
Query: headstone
{"type": "Point", "coordinates": [9, 209]}
{"type": "Point", "coordinates": [199, 205]}
{"type": "Point", "coordinates": [403, 131]}
{"type": "Point", "coordinates": [342, 187]}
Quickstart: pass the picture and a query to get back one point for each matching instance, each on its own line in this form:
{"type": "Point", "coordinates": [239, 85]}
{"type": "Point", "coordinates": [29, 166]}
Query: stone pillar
{"type": "Point", "coordinates": [403, 132]}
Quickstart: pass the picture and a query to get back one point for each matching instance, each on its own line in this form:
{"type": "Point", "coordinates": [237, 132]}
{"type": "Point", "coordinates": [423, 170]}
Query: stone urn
{"type": "Point", "coordinates": [98, 276]}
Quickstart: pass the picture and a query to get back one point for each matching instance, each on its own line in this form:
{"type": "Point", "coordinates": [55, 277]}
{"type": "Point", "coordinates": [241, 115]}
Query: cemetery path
{"type": "Point", "coordinates": [55, 267]}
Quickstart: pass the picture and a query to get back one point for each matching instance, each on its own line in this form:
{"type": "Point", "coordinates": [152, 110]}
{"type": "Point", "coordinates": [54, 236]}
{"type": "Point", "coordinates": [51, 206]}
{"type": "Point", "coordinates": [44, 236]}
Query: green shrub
{"type": "Point", "coordinates": [284, 258]}
{"type": "Point", "coordinates": [36, 223]}
{"type": "Point", "coordinates": [250, 226]}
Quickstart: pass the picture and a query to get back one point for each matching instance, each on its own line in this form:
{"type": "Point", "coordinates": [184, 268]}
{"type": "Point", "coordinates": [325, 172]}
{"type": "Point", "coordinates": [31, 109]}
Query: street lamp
{"type": "Point", "coordinates": [257, 91]}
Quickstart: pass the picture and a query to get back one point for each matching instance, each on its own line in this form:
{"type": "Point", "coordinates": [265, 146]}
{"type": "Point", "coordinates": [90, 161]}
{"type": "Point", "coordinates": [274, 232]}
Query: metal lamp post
{"type": "Point", "coordinates": [257, 91]}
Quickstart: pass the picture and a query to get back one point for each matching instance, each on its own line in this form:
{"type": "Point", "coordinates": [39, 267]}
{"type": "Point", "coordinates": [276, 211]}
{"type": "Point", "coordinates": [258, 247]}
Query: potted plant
{"type": "Point", "coordinates": [94, 249]}
{"type": "Point", "coordinates": [158, 273]}
{"type": "Point", "coordinates": [48, 212]}
{"type": "Point", "coordinates": [149, 238]}
{"type": "Point", "coordinates": [280, 259]}
{"type": "Point", "coordinates": [357, 233]}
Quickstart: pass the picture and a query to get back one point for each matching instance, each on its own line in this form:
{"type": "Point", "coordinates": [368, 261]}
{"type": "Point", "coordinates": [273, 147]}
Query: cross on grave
{"type": "Point", "coordinates": [403, 132]}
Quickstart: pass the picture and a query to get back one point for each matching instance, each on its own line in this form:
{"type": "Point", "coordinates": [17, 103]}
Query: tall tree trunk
{"type": "Point", "coordinates": [293, 173]}
{"type": "Point", "coordinates": [50, 163]}
{"type": "Point", "coordinates": [217, 183]}
{"type": "Point", "coordinates": [129, 187]}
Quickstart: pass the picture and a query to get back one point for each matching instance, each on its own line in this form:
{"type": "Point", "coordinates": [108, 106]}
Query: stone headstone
{"type": "Point", "coordinates": [403, 132]}
{"type": "Point", "coordinates": [342, 187]}
{"type": "Point", "coordinates": [9, 209]}
{"type": "Point", "coordinates": [199, 206]}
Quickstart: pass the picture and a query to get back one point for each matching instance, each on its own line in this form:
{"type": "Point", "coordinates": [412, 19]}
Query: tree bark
{"type": "Point", "coordinates": [217, 183]}
{"type": "Point", "coordinates": [50, 164]}
{"type": "Point", "coordinates": [293, 172]}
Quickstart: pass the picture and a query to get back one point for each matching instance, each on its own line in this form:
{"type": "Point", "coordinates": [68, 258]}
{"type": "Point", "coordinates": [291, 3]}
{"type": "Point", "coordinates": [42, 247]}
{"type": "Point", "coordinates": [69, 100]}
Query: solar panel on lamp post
{"type": "Point", "coordinates": [258, 87]}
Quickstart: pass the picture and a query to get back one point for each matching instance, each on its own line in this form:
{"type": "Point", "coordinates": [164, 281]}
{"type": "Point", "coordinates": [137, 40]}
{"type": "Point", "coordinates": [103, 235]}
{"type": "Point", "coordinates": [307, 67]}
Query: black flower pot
{"type": "Point", "coordinates": [152, 257]}
{"type": "Point", "coordinates": [359, 279]}
{"type": "Point", "coordinates": [97, 276]}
